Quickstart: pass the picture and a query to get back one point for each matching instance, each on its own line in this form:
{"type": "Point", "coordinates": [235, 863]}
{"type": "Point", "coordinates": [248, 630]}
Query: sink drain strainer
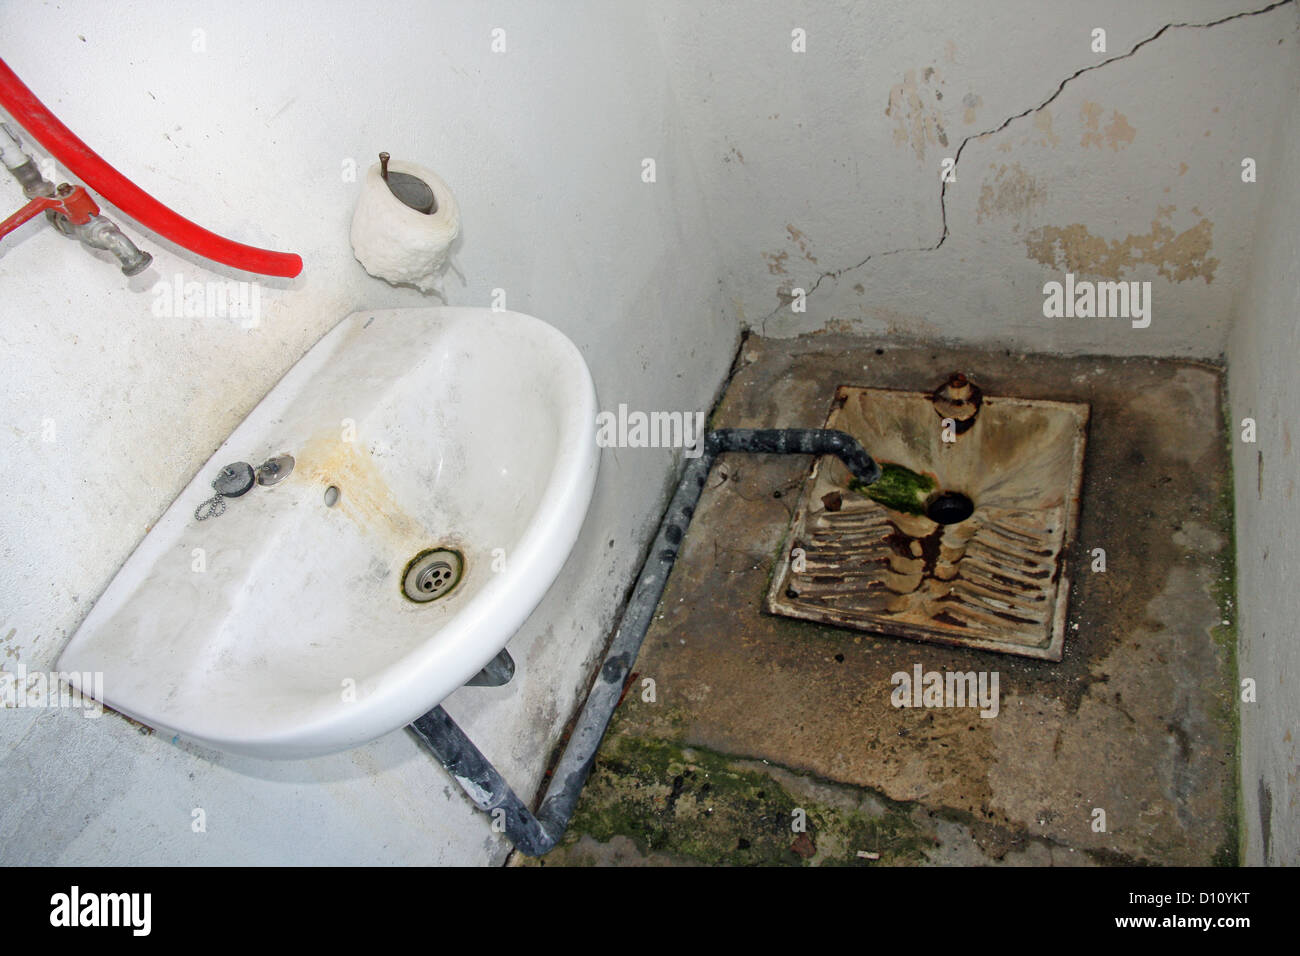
{"type": "Point", "coordinates": [432, 574]}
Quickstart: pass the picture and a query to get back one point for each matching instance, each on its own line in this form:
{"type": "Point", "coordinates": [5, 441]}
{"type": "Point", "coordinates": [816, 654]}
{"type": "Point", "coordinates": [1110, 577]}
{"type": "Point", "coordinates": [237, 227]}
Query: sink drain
{"type": "Point", "coordinates": [432, 574]}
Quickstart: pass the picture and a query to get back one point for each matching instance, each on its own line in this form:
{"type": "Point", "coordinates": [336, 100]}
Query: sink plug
{"type": "Point", "coordinates": [274, 470]}
{"type": "Point", "coordinates": [231, 482]}
{"type": "Point", "coordinates": [238, 479]}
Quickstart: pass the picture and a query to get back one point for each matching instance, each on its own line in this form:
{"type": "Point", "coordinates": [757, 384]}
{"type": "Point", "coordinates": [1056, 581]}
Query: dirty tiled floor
{"type": "Point", "coordinates": [759, 722]}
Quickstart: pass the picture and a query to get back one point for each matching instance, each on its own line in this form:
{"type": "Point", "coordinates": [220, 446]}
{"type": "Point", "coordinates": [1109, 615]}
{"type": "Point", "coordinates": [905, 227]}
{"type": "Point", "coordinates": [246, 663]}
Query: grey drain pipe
{"type": "Point", "coordinates": [536, 834]}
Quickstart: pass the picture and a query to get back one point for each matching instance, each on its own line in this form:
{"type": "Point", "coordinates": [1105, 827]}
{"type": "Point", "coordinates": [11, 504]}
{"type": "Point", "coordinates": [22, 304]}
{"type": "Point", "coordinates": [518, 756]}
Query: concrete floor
{"type": "Point", "coordinates": [757, 722]}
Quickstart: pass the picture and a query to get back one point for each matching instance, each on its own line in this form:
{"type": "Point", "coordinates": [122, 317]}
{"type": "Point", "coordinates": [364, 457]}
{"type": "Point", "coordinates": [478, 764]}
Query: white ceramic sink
{"type": "Point", "coordinates": [280, 628]}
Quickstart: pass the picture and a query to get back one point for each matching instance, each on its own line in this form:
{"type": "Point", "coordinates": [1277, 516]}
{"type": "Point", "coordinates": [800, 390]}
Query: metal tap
{"type": "Point", "coordinates": [70, 209]}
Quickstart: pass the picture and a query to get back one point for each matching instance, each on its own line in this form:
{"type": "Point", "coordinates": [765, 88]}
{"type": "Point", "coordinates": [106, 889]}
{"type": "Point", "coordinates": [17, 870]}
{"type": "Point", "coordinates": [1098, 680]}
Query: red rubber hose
{"type": "Point", "coordinates": [90, 168]}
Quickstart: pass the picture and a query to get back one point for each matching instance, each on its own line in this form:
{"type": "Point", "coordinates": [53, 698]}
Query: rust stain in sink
{"type": "Point", "coordinates": [364, 496]}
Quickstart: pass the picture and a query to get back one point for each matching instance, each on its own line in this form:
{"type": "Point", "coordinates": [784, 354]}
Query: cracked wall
{"type": "Point", "coordinates": [1116, 165]}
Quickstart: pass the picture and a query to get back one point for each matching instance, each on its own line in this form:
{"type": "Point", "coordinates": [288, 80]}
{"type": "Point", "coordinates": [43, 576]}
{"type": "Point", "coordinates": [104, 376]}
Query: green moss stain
{"type": "Point", "coordinates": [696, 805]}
{"type": "Point", "coordinates": [1226, 709]}
{"type": "Point", "coordinates": [899, 488]}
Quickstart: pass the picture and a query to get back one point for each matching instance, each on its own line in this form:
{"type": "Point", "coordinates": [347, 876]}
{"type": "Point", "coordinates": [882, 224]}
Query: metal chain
{"type": "Point", "coordinates": [216, 505]}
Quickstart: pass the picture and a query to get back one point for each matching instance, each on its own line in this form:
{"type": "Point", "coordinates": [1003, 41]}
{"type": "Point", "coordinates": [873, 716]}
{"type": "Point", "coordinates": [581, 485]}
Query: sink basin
{"type": "Point", "coordinates": [281, 628]}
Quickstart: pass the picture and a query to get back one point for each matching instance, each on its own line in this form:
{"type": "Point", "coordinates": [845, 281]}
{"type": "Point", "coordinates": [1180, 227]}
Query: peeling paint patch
{"type": "Point", "coordinates": [899, 324]}
{"type": "Point", "coordinates": [1178, 256]}
{"type": "Point", "coordinates": [482, 798]}
{"type": "Point", "coordinates": [776, 262]}
{"type": "Point", "coordinates": [971, 102]}
{"type": "Point", "coordinates": [1090, 113]}
{"type": "Point", "coordinates": [1117, 131]}
{"type": "Point", "coordinates": [1012, 192]}
{"type": "Point", "coordinates": [917, 122]}
{"type": "Point", "coordinates": [841, 326]}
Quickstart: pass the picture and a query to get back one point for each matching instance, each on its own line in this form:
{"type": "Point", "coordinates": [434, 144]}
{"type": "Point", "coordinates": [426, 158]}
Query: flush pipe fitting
{"type": "Point", "coordinates": [536, 834]}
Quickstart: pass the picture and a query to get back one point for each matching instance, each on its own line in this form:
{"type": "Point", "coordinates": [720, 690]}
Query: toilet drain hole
{"type": "Point", "coordinates": [949, 507]}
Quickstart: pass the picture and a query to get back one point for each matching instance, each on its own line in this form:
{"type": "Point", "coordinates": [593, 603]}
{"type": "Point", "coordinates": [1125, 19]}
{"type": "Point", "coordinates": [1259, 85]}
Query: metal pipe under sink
{"type": "Point", "coordinates": [537, 833]}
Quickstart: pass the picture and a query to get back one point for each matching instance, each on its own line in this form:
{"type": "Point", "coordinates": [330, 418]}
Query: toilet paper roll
{"type": "Point", "coordinates": [400, 244]}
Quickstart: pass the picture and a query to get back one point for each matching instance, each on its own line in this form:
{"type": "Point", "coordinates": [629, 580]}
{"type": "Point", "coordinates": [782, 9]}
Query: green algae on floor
{"type": "Point", "coordinates": [695, 805]}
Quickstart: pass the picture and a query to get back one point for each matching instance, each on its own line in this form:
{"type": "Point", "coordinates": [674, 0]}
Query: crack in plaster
{"type": "Point", "coordinates": [943, 184]}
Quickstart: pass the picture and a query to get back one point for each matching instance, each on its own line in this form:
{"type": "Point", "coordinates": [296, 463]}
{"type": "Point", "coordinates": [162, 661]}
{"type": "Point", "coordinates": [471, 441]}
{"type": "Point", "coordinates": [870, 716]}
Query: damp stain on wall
{"type": "Point", "coordinates": [776, 262]}
{"type": "Point", "coordinates": [1043, 127]}
{"type": "Point", "coordinates": [915, 112]}
{"type": "Point", "coordinates": [1011, 192]}
{"type": "Point", "coordinates": [1177, 256]}
{"type": "Point", "coordinates": [801, 240]}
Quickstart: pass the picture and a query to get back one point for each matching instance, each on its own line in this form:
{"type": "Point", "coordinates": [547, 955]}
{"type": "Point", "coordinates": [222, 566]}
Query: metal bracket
{"type": "Point", "coordinates": [495, 672]}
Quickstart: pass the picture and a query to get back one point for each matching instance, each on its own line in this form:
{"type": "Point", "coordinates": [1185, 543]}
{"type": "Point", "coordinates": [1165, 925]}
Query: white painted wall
{"type": "Point", "coordinates": [774, 168]}
{"type": "Point", "coordinates": [1264, 386]}
{"type": "Point", "coordinates": [826, 158]}
{"type": "Point", "coordinates": [543, 147]}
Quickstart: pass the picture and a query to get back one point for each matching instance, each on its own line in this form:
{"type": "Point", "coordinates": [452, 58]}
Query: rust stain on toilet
{"type": "Point", "coordinates": [994, 580]}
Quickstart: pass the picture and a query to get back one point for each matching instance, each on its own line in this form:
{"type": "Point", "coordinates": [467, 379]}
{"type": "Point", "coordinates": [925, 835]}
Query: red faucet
{"type": "Point", "coordinates": [71, 201]}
